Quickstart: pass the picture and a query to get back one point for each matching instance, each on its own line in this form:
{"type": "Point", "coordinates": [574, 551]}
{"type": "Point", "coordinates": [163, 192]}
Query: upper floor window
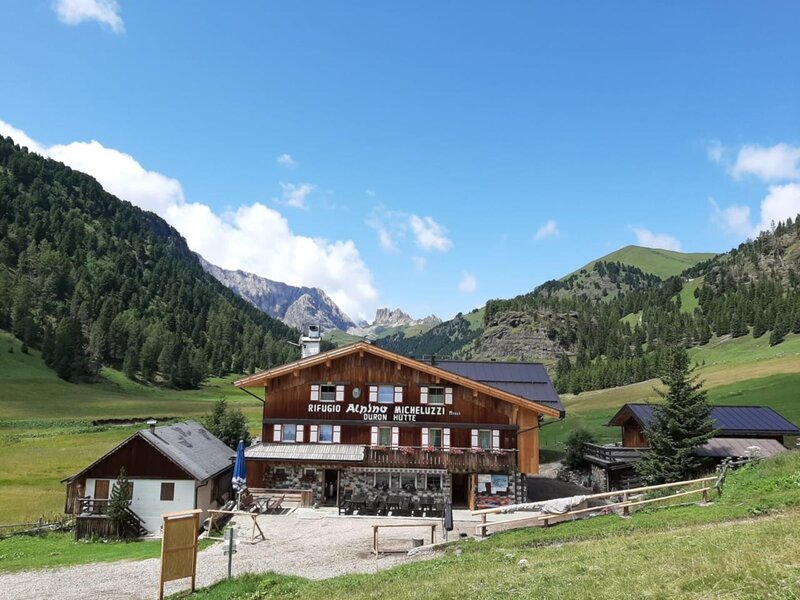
{"type": "Point", "coordinates": [485, 439]}
{"type": "Point", "coordinates": [384, 436]}
{"type": "Point", "coordinates": [435, 438]}
{"type": "Point", "coordinates": [326, 434]}
{"type": "Point", "coordinates": [386, 394]}
{"type": "Point", "coordinates": [327, 393]}
{"type": "Point", "coordinates": [289, 433]}
{"type": "Point", "coordinates": [435, 395]}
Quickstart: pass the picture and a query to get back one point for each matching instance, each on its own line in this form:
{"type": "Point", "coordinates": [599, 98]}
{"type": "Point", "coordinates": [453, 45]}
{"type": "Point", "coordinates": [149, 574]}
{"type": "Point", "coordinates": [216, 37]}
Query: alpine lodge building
{"type": "Point", "coordinates": [359, 422]}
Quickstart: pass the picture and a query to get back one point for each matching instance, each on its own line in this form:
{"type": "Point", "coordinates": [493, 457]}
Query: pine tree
{"type": "Point", "coordinates": [679, 427]}
{"type": "Point", "coordinates": [119, 502]}
{"type": "Point", "coordinates": [130, 365]}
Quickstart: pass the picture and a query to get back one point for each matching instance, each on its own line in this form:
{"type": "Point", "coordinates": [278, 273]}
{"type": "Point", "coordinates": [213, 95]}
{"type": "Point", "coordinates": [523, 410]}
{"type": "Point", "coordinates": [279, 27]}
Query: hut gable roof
{"type": "Point", "coordinates": [535, 394]}
{"type": "Point", "coordinates": [731, 421]}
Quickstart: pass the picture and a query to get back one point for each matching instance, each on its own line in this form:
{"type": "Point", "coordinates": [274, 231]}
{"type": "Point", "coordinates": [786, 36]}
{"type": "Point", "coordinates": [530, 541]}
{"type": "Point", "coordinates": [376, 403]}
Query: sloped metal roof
{"type": "Point", "coordinates": [730, 420]}
{"type": "Point", "coordinates": [527, 380]}
{"type": "Point", "coordinates": [737, 447]}
{"type": "Point", "coordinates": [192, 448]}
{"type": "Point", "coordinates": [307, 452]}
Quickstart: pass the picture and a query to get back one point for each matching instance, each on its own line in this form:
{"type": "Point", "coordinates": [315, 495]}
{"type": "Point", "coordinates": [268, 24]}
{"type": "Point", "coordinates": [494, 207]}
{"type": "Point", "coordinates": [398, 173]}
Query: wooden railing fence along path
{"type": "Point", "coordinates": [36, 528]}
{"type": "Point", "coordinates": [624, 504]}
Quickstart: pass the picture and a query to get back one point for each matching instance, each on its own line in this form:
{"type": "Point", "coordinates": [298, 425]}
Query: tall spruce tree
{"type": "Point", "coordinates": [680, 425]}
{"type": "Point", "coordinates": [119, 502]}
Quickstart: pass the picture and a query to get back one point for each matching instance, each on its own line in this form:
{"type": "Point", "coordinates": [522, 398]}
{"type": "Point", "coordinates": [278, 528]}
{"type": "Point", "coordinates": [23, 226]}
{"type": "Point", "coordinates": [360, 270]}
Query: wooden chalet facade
{"type": "Point", "coordinates": [740, 431]}
{"type": "Point", "coordinates": [359, 420]}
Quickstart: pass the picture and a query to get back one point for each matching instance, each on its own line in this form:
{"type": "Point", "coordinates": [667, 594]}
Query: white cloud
{"type": "Point", "coordinates": [295, 194]}
{"type": "Point", "coordinates": [429, 234]}
{"type": "Point", "coordinates": [370, 193]}
{"type": "Point", "coordinates": [105, 12]}
{"type": "Point", "coordinates": [420, 262]}
{"type": "Point", "coordinates": [286, 160]}
{"type": "Point", "coordinates": [645, 237]}
{"type": "Point", "coordinates": [778, 162]}
{"type": "Point", "coordinates": [253, 237]}
{"type": "Point", "coordinates": [547, 230]}
{"type": "Point", "coordinates": [733, 219]}
{"type": "Point", "coordinates": [468, 283]}
{"type": "Point", "coordinates": [386, 240]}
{"type": "Point", "coordinates": [782, 202]}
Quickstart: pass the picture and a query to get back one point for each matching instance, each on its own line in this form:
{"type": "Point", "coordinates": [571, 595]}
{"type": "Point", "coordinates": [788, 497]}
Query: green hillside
{"type": "Point", "coordinates": [664, 263]}
{"type": "Point", "coordinates": [742, 545]}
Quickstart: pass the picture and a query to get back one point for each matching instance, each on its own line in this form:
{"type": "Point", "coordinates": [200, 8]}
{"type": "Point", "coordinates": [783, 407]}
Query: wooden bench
{"type": "Point", "coordinates": [303, 498]}
{"type": "Point", "coordinates": [375, 529]}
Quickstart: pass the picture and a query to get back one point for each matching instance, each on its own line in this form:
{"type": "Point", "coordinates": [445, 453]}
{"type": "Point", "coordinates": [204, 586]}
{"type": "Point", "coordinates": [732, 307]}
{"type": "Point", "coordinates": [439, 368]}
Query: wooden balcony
{"type": "Point", "coordinates": [455, 460]}
{"type": "Point", "coordinates": [612, 455]}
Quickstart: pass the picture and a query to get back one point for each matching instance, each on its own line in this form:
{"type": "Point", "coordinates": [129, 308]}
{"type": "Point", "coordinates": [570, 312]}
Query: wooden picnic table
{"type": "Point", "coordinates": [375, 529]}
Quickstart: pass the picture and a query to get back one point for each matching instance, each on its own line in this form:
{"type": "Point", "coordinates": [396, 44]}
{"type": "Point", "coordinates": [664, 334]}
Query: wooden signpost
{"type": "Point", "coordinates": [179, 547]}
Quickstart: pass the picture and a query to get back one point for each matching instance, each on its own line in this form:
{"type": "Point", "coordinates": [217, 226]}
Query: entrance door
{"type": "Point", "coordinates": [460, 489]}
{"type": "Point", "coordinates": [330, 489]}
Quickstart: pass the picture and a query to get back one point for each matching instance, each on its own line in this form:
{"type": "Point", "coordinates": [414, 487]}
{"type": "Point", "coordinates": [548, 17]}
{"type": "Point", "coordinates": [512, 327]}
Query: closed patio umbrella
{"type": "Point", "coordinates": [447, 519]}
{"type": "Point", "coordinates": [239, 480]}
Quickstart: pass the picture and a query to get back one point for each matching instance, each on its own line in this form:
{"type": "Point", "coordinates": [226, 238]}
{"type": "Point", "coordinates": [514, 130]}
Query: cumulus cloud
{"type": "Point", "coordinates": [776, 163]}
{"type": "Point", "coordinates": [468, 283]}
{"type": "Point", "coordinates": [105, 12]}
{"type": "Point", "coordinates": [295, 195]}
{"type": "Point", "coordinates": [286, 160]}
{"type": "Point", "coordinates": [547, 230]}
{"type": "Point", "coordinates": [780, 162]}
{"type": "Point", "coordinates": [386, 240]}
{"type": "Point", "coordinates": [716, 152]}
{"type": "Point", "coordinates": [645, 237]}
{"type": "Point", "coordinates": [429, 234]}
{"type": "Point", "coordinates": [254, 237]}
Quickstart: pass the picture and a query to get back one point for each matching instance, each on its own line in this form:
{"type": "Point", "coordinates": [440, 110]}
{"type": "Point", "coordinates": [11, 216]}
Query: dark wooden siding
{"type": "Point", "coordinates": [288, 398]}
{"type": "Point", "coordinates": [633, 436]}
{"type": "Point", "coordinates": [140, 459]}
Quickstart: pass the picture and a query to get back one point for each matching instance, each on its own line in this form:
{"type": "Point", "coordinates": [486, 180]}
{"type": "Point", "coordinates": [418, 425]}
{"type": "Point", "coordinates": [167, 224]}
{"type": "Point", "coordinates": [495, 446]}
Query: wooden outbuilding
{"type": "Point", "coordinates": [169, 468]}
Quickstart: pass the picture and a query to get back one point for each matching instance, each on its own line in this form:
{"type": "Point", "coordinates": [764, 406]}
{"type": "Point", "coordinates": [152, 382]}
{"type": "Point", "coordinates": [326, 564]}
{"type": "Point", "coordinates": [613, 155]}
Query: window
{"type": "Point", "coordinates": [326, 434]}
{"type": "Point", "coordinates": [434, 483]}
{"type": "Point", "coordinates": [288, 433]}
{"type": "Point", "coordinates": [327, 393]}
{"type": "Point", "coordinates": [384, 436]}
{"type": "Point", "coordinates": [386, 394]}
{"type": "Point", "coordinates": [435, 395]}
{"type": "Point", "coordinates": [167, 491]}
{"type": "Point", "coordinates": [101, 489]}
{"type": "Point", "coordinates": [408, 482]}
{"type": "Point", "coordinates": [435, 438]}
{"type": "Point", "coordinates": [280, 471]}
{"type": "Point", "coordinates": [310, 474]}
{"type": "Point", "coordinates": [383, 481]}
{"type": "Point", "coordinates": [485, 439]}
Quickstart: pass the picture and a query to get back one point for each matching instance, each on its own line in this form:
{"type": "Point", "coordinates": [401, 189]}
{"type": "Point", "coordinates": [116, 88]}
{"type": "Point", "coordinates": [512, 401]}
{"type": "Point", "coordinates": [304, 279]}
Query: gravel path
{"type": "Point", "coordinates": [306, 543]}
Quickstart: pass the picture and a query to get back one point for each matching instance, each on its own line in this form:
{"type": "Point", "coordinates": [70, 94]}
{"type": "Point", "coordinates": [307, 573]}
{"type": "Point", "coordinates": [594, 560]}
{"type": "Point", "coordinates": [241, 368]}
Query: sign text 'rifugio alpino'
{"type": "Point", "coordinates": [378, 412]}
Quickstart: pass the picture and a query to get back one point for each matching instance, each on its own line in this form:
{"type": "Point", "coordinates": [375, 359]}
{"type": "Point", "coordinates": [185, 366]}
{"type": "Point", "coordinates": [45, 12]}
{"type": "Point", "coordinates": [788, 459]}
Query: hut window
{"type": "Point", "coordinates": [383, 481]}
{"type": "Point", "coordinates": [167, 491]}
{"type": "Point", "coordinates": [386, 394]}
{"type": "Point", "coordinates": [384, 436]}
{"type": "Point", "coordinates": [435, 395]}
{"type": "Point", "coordinates": [435, 438]}
{"type": "Point", "coordinates": [288, 433]}
{"type": "Point", "coordinates": [434, 483]}
{"type": "Point", "coordinates": [409, 482]}
{"type": "Point", "coordinates": [327, 393]}
{"type": "Point", "coordinates": [485, 439]}
{"type": "Point", "coordinates": [325, 434]}
{"type": "Point", "coordinates": [310, 474]}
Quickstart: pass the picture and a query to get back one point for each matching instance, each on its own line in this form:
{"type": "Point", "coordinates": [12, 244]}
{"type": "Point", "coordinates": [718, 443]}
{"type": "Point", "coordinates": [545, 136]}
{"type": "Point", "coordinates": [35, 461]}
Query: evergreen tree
{"type": "Point", "coordinates": [680, 425]}
{"type": "Point", "coordinates": [130, 365]}
{"type": "Point", "coordinates": [119, 502]}
{"type": "Point", "coordinates": [228, 424]}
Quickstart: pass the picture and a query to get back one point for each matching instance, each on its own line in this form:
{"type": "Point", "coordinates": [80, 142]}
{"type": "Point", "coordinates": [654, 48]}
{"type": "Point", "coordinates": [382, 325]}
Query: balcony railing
{"type": "Point", "coordinates": [457, 460]}
{"type": "Point", "coordinates": [612, 454]}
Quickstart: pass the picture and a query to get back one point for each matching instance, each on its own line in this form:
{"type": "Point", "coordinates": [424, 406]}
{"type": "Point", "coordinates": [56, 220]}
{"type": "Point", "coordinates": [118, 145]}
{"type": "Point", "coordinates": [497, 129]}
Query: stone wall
{"type": "Point", "coordinates": [599, 479]}
{"type": "Point", "coordinates": [295, 479]}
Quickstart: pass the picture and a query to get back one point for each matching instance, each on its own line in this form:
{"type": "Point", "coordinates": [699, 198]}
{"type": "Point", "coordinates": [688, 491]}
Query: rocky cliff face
{"type": "Point", "coordinates": [515, 335]}
{"type": "Point", "coordinates": [295, 306]}
{"type": "Point", "coordinates": [387, 318]}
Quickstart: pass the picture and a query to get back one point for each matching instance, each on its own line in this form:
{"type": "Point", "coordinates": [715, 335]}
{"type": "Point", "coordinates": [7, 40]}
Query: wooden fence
{"type": "Point", "coordinates": [624, 505]}
{"type": "Point", "coordinates": [37, 528]}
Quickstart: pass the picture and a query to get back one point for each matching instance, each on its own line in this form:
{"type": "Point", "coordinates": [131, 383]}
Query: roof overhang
{"type": "Point", "coordinates": [263, 378]}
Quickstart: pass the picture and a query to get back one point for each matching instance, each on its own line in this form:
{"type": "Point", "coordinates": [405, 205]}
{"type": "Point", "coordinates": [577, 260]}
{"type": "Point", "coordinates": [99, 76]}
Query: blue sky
{"type": "Point", "coordinates": [434, 154]}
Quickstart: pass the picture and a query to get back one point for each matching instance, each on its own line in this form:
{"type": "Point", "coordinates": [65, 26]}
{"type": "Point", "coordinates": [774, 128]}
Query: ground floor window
{"type": "Point", "coordinates": [433, 483]}
{"type": "Point", "coordinates": [411, 482]}
{"type": "Point", "coordinates": [383, 481]}
{"type": "Point", "coordinates": [167, 491]}
{"type": "Point", "coordinates": [101, 489]}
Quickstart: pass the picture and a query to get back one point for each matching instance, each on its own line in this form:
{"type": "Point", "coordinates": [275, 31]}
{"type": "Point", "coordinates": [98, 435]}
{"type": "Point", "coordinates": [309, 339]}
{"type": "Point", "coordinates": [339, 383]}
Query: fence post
{"type": "Point", "coordinates": [625, 510]}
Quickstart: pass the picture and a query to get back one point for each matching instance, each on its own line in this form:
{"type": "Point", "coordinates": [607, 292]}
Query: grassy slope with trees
{"type": "Point", "coordinates": [741, 546]}
{"type": "Point", "coordinates": [663, 263]}
{"type": "Point", "coordinates": [93, 281]}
